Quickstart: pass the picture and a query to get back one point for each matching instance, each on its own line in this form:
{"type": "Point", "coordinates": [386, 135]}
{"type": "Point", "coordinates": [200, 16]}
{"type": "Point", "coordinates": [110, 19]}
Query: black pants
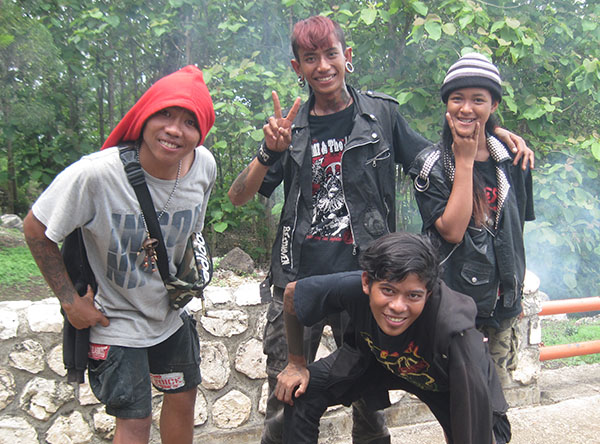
{"type": "Point", "coordinates": [368, 425]}
{"type": "Point", "coordinates": [302, 420]}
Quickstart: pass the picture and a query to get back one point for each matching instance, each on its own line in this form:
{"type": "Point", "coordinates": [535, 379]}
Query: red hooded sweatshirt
{"type": "Point", "coordinates": [184, 88]}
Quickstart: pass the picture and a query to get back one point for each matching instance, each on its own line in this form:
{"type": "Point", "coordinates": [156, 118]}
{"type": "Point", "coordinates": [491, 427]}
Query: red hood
{"type": "Point", "coordinates": [184, 88]}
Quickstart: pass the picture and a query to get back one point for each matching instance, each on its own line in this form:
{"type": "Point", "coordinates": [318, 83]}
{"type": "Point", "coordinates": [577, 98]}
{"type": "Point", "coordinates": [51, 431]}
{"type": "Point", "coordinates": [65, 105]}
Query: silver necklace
{"type": "Point", "coordinates": [149, 244]}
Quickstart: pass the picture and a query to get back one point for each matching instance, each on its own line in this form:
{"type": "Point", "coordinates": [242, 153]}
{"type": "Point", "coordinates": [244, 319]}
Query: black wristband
{"type": "Point", "coordinates": [266, 156]}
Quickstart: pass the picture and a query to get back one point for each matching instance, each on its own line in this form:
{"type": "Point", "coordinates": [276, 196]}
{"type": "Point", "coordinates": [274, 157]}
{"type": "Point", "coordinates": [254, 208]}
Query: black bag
{"type": "Point", "coordinates": [76, 342]}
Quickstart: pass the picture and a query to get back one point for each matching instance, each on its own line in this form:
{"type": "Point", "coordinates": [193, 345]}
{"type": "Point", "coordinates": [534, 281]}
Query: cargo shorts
{"type": "Point", "coordinates": [121, 377]}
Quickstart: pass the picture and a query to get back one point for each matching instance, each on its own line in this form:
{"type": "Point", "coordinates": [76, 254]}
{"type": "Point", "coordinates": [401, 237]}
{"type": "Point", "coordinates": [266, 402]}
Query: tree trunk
{"type": "Point", "coordinates": [101, 111]}
{"type": "Point", "coordinates": [12, 177]}
{"type": "Point", "coordinates": [110, 99]}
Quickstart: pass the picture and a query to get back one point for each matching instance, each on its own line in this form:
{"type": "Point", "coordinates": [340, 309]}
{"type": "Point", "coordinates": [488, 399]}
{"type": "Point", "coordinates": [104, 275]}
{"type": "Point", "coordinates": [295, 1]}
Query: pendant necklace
{"type": "Point", "coordinates": [149, 244]}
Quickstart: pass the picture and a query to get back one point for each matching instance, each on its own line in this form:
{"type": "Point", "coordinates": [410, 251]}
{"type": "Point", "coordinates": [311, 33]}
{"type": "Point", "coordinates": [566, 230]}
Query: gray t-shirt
{"type": "Point", "coordinates": [93, 193]}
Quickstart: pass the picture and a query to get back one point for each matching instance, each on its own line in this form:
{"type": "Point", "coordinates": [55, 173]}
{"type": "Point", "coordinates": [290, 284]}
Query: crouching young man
{"type": "Point", "coordinates": [411, 332]}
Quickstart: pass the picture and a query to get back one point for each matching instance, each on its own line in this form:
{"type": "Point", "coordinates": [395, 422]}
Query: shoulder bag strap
{"type": "Point", "coordinates": [136, 178]}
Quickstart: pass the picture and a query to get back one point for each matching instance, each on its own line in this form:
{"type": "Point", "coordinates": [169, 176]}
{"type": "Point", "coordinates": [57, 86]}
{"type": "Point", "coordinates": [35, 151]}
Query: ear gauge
{"type": "Point", "coordinates": [349, 67]}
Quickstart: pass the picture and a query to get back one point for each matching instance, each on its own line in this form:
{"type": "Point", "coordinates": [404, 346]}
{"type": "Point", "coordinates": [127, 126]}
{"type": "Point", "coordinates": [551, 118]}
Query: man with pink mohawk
{"type": "Point", "coordinates": [136, 338]}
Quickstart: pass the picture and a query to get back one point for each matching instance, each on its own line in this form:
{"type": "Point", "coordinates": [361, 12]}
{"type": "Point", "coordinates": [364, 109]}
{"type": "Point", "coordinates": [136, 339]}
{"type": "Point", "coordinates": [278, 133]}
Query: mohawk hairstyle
{"type": "Point", "coordinates": [315, 32]}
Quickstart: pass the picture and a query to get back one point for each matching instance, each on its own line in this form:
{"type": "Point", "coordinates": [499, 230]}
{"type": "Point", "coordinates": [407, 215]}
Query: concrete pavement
{"type": "Point", "coordinates": [568, 413]}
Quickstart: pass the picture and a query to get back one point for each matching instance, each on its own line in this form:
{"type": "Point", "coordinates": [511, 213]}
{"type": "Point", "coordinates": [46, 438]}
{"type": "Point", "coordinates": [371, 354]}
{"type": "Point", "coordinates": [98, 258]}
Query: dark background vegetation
{"type": "Point", "coordinates": [69, 70]}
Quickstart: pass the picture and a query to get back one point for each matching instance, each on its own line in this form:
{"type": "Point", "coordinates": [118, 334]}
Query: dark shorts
{"type": "Point", "coordinates": [120, 377]}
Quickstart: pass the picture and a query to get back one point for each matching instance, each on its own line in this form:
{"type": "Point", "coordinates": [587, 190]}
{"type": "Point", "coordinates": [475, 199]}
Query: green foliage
{"type": "Point", "coordinates": [570, 332]}
{"type": "Point", "coordinates": [76, 68]}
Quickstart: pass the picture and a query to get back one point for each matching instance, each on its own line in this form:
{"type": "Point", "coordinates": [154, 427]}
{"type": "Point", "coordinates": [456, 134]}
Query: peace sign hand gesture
{"type": "Point", "coordinates": [277, 131]}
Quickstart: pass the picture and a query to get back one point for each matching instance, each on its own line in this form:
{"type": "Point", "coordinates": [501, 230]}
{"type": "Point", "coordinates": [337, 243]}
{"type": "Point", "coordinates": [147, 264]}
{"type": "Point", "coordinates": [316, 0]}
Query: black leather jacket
{"type": "Point", "coordinates": [379, 139]}
{"type": "Point", "coordinates": [486, 260]}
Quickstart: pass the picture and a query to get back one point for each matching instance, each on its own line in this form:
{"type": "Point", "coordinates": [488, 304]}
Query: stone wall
{"type": "Point", "coordinates": [37, 405]}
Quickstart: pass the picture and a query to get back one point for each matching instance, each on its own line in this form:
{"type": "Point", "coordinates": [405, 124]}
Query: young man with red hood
{"type": "Point", "coordinates": [136, 338]}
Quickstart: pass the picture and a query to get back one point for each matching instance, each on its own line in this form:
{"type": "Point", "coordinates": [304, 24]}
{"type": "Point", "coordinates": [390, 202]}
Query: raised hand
{"type": "Point", "coordinates": [277, 131]}
{"type": "Point", "coordinates": [464, 146]}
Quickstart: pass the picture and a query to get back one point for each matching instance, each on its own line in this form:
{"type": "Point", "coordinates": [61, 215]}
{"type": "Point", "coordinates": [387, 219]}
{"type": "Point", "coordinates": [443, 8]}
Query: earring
{"type": "Point", "coordinates": [301, 82]}
{"type": "Point", "coordinates": [349, 67]}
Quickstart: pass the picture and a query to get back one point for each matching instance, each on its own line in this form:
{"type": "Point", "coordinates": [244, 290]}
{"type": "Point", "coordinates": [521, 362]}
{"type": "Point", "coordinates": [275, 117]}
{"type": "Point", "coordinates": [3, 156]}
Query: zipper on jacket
{"type": "Point", "coordinates": [348, 148]}
{"type": "Point", "coordinates": [380, 156]}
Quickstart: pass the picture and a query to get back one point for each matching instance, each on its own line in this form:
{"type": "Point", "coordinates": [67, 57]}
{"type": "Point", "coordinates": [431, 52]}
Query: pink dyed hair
{"type": "Point", "coordinates": [315, 32]}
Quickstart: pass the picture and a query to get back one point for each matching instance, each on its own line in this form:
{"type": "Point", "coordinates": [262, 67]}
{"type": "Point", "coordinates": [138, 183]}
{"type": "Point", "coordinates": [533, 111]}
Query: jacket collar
{"type": "Point", "coordinates": [362, 107]}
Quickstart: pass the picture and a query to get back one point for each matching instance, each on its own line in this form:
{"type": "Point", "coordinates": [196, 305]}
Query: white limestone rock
{"type": "Point", "coordinates": [157, 403]}
{"type": "Point", "coordinates": [104, 424]}
{"type": "Point", "coordinates": [11, 221]}
{"type": "Point", "coordinates": [261, 322]}
{"type": "Point", "coordinates": [247, 294]}
{"type": "Point", "coordinates": [44, 316]}
{"type": "Point", "coordinates": [200, 409]}
{"type": "Point", "coordinates": [55, 361]}
{"type": "Point", "coordinates": [225, 323]}
{"type": "Point", "coordinates": [396, 396]}
{"type": "Point", "coordinates": [72, 429]}
{"type": "Point", "coordinates": [231, 410]}
{"type": "Point", "coordinates": [86, 396]}
{"type": "Point", "coordinates": [250, 359]}
{"type": "Point", "coordinates": [531, 283]}
{"type": "Point", "coordinates": [218, 295]}
{"type": "Point", "coordinates": [532, 303]}
{"type": "Point", "coordinates": [535, 331]}
{"type": "Point", "coordinates": [214, 365]}
{"type": "Point", "coordinates": [264, 395]}
{"type": "Point", "coordinates": [15, 430]}
{"type": "Point", "coordinates": [28, 356]}
{"type": "Point", "coordinates": [41, 397]}
{"type": "Point", "coordinates": [528, 369]}
{"type": "Point", "coordinates": [9, 323]}
{"type": "Point", "coordinates": [7, 388]}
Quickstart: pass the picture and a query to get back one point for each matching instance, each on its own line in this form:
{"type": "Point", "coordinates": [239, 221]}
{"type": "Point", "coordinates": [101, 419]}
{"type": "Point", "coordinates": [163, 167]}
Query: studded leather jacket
{"type": "Point", "coordinates": [379, 139]}
{"type": "Point", "coordinates": [489, 263]}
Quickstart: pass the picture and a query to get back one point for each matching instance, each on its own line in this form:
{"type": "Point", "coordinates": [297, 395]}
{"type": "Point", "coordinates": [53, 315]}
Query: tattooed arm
{"type": "Point", "coordinates": [80, 311]}
{"type": "Point", "coordinates": [246, 185]}
{"type": "Point", "coordinates": [278, 137]}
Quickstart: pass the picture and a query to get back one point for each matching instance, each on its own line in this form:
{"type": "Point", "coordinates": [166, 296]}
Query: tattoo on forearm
{"type": "Point", "coordinates": [52, 266]}
{"type": "Point", "coordinates": [239, 184]}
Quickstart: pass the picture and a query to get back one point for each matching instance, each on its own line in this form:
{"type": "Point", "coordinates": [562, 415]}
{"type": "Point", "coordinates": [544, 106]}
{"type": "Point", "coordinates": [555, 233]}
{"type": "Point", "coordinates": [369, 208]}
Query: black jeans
{"type": "Point", "coordinates": [367, 424]}
{"type": "Point", "coordinates": [302, 420]}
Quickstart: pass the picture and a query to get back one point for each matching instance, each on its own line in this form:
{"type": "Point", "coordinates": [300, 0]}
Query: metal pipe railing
{"type": "Point", "coordinates": [569, 306]}
{"type": "Point", "coordinates": [568, 350]}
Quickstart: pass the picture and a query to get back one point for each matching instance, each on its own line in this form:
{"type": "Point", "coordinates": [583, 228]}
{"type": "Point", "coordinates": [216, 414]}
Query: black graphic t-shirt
{"type": "Point", "coordinates": [408, 356]}
{"type": "Point", "coordinates": [487, 171]}
{"type": "Point", "coordinates": [328, 246]}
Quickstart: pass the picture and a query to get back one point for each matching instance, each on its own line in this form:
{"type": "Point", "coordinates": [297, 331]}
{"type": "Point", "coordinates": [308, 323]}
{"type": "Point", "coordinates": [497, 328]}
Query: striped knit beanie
{"type": "Point", "coordinates": [472, 70]}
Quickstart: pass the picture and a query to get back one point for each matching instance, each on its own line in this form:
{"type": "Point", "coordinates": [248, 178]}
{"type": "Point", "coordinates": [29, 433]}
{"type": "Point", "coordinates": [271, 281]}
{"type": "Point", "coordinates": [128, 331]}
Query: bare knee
{"type": "Point", "coordinates": [132, 431]}
{"type": "Point", "coordinates": [182, 401]}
